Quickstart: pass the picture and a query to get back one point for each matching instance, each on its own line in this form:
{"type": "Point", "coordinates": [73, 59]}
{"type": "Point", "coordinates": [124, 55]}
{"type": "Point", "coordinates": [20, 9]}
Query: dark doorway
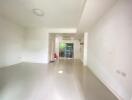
{"type": "Point", "coordinates": [66, 50]}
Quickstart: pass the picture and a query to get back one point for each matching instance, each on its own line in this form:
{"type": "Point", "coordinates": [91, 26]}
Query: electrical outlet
{"type": "Point", "coordinates": [19, 57]}
{"type": "Point", "coordinates": [118, 71]}
{"type": "Point", "coordinates": [123, 74]}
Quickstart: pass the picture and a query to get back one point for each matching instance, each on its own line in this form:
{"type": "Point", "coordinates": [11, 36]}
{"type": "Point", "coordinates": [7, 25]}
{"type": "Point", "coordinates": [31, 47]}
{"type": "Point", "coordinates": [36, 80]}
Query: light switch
{"type": "Point", "coordinates": [118, 71]}
{"type": "Point", "coordinates": [123, 74]}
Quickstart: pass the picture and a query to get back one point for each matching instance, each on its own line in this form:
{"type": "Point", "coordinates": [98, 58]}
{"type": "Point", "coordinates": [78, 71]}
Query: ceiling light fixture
{"type": "Point", "coordinates": [38, 12]}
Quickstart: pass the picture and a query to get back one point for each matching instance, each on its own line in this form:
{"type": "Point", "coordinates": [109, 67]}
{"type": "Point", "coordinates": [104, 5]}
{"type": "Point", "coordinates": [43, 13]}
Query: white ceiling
{"type": "Point", "coordinates": [58, 13]}
{"type": "Point", "coordinates": [67, 36]}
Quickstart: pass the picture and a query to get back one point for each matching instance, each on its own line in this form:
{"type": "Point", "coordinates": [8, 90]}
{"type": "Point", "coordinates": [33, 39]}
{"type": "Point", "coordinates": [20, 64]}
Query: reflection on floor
{"type": "Point", "coordinates": [62, 80]}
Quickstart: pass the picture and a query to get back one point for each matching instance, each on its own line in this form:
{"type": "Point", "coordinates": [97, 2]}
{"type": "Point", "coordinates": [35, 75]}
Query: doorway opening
{"type": "Point", "coordinates": [66, 50]}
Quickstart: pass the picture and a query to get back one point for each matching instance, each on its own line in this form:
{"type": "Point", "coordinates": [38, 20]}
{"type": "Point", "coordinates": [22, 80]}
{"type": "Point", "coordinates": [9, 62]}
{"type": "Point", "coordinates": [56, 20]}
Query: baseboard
{"type": "Point", "coordinates": [98, 69]}
{"type": "Point", "coordinates": [36, 62]}
{"type": "Point", "coordinates": [11, 64]}
{"type": "Point", "coordinates": [107, 85]}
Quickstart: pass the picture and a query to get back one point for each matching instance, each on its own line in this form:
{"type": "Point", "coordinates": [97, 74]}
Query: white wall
{"type": "Point", "coordinates": [11, 42]}
{"type": "Point", "coordinates": [92, 12]}
{"type": "Point", "coordinates": [51, 47]}
{"type": "Point", "coordinates": [82, 49]}
{"type": "Point", "coordinates": [85, 52]}
{"type": "Point", "coordinates": [36, 46]}
{"type": "Point", "coordinates": [110, 49]}
{"type": "Point", "coordinates": [58, 39]}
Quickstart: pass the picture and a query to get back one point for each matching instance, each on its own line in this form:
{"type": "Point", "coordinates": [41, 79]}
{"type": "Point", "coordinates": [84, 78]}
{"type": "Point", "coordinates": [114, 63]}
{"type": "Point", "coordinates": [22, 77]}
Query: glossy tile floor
{"type": "Point", "coordinates": [62, 80]}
